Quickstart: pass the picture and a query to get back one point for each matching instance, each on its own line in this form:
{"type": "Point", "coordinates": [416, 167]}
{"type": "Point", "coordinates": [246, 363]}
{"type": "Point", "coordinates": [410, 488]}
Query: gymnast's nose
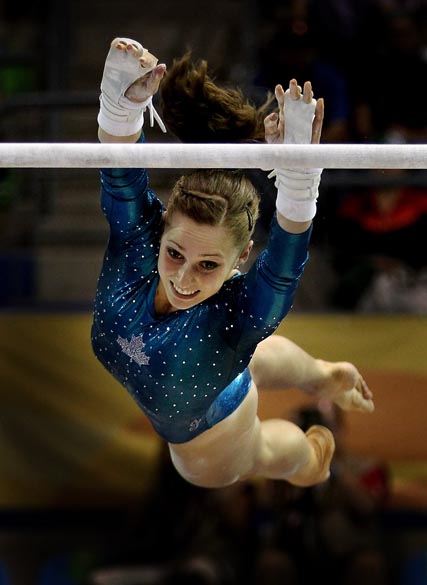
{"type": "Point", "coordinates": [183, 276]}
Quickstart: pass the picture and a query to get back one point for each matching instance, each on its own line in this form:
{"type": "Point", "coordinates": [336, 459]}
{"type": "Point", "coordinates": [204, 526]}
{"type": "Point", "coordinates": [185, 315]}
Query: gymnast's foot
{"type": "Point", "coordinates": [318, 471]}
{"type": "Point", "coordinates": [342, 383]}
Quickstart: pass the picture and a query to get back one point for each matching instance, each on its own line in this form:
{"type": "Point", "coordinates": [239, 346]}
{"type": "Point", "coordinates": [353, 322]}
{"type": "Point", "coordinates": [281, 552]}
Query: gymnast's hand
{"type": "Point", "coordinates": [148, 84]}
{"type": "Point", "coordinates": [131, 77]}
{"type": "Point", "coordinates": [300, 116]}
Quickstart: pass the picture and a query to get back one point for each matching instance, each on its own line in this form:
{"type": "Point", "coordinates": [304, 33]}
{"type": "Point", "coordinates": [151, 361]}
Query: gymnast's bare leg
{"type": "Point", "coordinates": [241, 446]}
{"type": "Point", "coordinates": [278, 364]}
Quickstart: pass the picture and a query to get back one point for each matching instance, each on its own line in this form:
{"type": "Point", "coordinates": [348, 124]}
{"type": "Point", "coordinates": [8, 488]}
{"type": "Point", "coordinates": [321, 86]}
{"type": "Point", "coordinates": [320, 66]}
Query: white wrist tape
{"type": "Point", "coordinates": [297, 189]}
{"type": "Point", "coordinates": [118, 115]}
{"type": "Point", "coordinates": [297, 192]}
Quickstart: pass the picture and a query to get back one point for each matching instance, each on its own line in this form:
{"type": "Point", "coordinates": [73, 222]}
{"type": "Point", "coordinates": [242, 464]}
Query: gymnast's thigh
{"type": "Point", "coordinates": [224, 453]}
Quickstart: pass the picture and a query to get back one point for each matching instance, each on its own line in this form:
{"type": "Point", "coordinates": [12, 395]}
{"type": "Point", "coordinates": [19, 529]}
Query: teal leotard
{"type": "Point", "coordinates": [188, 369]}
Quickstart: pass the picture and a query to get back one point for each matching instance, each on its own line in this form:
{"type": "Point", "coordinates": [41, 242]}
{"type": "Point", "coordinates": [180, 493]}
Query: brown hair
{"type": "Point", "coordinates": [216, 197]}
{"type": "Point", "coordinates": [196, 109]}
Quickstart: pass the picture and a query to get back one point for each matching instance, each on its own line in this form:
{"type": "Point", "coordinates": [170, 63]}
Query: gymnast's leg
{"type": "Point", "coordinates": [241, 446]}
{"type": "Point", "coordinates": [278, 363]}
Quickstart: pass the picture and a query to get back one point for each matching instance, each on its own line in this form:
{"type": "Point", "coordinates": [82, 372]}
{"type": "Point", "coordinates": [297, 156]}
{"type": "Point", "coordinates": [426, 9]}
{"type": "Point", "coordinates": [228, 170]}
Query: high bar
{"type": "Point", "coordinates": [177, 155]}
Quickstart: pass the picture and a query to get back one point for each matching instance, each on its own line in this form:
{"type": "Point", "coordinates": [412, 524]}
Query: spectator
{"type": "Point", "coordinates": [380, 263]}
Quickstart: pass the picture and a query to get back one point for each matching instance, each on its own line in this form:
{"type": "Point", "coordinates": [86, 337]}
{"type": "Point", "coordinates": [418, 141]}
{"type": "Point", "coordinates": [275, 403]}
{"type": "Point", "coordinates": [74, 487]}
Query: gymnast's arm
{"type": "Point", "coordinates": [130, 80]}
{"type": "Point", "coordinates": [299, 121]}
{"type": "Point", "coordinates": [276, 274]}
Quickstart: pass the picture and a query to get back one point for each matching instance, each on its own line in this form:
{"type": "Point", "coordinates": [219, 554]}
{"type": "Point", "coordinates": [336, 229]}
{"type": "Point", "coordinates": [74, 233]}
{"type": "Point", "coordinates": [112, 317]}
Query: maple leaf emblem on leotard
{"type": "Point", "coordinates": [133, 349]}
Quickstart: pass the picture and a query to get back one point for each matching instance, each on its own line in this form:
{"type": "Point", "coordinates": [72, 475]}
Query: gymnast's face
{"type": "Point", "coordinates": [194, 262]}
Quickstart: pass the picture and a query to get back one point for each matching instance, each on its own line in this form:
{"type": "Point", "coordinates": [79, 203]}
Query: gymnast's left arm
{"type": "Point", "coordinates": [275, 276]}
{"type": "Point", "coordinates": [299, 121]}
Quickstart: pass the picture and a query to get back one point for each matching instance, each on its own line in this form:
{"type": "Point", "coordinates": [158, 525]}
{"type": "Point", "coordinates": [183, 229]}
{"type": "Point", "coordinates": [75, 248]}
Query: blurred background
{"type": "Point", "coordinates": [86, 491]}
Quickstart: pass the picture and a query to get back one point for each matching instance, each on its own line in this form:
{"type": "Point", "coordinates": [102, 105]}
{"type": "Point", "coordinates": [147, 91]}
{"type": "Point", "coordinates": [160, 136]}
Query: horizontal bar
{"type": "Point", "coordinates": [172, 155]}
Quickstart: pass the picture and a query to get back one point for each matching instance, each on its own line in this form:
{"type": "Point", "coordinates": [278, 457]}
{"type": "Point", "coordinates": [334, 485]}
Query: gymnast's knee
{"type": "Point", "coordinates": [204, 475]}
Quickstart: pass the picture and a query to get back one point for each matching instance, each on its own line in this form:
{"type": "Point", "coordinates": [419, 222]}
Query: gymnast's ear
{"type": "Point", "coordinates": [245, 254]}
{"type": "Point", "coordinates": [164, 220]}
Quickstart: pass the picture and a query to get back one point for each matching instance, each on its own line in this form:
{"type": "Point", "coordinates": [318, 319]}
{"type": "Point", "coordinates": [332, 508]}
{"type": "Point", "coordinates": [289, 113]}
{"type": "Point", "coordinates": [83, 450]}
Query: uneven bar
{"type": "Point", "coordinates": [172, 155]}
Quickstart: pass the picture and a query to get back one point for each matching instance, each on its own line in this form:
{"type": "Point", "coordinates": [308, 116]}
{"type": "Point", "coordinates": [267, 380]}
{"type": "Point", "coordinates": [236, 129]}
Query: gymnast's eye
{"type": "Point", "coordinates": [208, 265]}
{"type": "Point", "coordinates": [174, 254]}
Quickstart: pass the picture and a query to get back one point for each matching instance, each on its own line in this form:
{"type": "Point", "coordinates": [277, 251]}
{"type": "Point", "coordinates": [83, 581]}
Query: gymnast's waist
{"type": "Point", "coordinates": [189, 424]}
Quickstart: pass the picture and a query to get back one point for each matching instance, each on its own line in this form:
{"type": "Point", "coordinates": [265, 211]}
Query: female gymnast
{"type": "Point", "coordinates": [178, 324]}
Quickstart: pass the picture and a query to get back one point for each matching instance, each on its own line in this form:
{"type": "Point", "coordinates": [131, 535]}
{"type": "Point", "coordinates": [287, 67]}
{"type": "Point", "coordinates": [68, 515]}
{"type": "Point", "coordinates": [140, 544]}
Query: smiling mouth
{"type": "Point", "coordinates": [183, 293]}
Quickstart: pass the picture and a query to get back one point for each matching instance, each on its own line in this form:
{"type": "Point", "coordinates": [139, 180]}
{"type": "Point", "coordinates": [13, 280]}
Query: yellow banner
{"type": "Point", "coordinates": [70, 434]}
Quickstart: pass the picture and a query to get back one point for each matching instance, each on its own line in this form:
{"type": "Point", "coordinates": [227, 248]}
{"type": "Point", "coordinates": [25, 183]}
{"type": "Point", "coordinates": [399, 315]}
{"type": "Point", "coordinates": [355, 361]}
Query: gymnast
{"type": "Point", "coordinates": [176, 321]}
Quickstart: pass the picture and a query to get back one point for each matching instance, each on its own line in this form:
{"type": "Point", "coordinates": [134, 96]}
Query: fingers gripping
{"type": "Point", "coordinates": [298, 118]}
{"type": "Point", "coordinates": [295, 123]}
{"type": "Point", "coordinates": [127, 62]}
{"type": "Point", "coordinates": [273, 129]}
{"type": "Point", "coordinates": [123, 68]}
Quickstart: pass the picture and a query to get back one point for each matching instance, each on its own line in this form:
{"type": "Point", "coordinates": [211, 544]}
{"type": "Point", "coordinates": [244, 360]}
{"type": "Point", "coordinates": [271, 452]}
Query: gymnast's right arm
{"type": "Point", "coordinates": [130, 79]}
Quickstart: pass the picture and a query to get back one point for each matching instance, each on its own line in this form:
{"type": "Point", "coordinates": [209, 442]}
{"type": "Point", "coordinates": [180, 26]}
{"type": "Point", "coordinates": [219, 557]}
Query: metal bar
{"type": "Point", "coordinates": [171, 155]}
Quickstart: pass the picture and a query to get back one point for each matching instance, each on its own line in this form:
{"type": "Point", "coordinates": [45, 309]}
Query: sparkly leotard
{"type": "Point", "coordinates": [187, 370]}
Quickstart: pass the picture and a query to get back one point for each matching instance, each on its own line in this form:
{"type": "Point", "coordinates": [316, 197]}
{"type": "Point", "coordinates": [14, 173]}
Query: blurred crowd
{"type": "Point", "coordinates": [258, 532]}
{"type": "Point", "coordinates": [368, 59]}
